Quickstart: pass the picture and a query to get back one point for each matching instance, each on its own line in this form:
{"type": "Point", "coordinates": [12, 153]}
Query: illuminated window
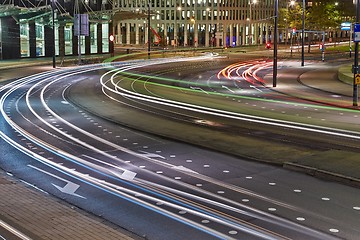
{"type": "Point", "coordinates": [56, 40]}
{"type": "Point", "coordinates": [40, 41]}
{"type": "Point", "coordinates": [68, 40]}
{"type": "Point", "coordinates": [93, 38]}
{"type": "Point", "coordinates": [105, 38]}
{"type": "Point", "coordinates": [24, 40]}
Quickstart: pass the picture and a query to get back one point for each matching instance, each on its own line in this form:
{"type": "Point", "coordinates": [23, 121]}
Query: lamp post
{"type": "Point", "coordinates": [253, 2]}
{"type": "Point", "coordinates": [192, 21]}
{"type": "Point", "coordinates": [209, 13]}
{"type": "Point", "coordinates": [276, 10]}
{"type": "Point", "coordinates": [176, 38]}
{"type": "Point", "coordinates": [303, 35]}
{"type": "Point", "coordinates": [149, 29]}
{"type": "Point", "coordinates": [356, 60]}
{"type": "Point", "coordinates": [53, 26]}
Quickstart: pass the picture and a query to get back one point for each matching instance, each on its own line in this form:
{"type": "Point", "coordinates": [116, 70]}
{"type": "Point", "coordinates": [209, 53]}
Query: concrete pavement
{"type": "Point", "coordinates": [39, 215]}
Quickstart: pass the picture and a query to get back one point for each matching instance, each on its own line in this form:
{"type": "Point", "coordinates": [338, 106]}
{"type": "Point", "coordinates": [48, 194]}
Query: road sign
{"type": "Point", "coordinates": [345, 26]}
{"type": "Point", "coordinates": [81, 25]}
{"type": "Point", "coordinates": [357, 32]}
{"type": "Point", "coordinates": [357, 78]}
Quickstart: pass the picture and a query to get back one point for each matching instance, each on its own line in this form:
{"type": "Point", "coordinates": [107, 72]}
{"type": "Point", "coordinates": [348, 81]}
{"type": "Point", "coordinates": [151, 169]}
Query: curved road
{"type": "Point", "coordinates": [143, 182]}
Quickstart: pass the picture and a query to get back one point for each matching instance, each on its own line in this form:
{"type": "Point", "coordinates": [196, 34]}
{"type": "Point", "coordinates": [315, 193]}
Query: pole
{"type": "Point", "coordinates": [303, 35]}
{"type": "Point", "coordinates": [250, 27]}
{"type": "Point", "coordinates": [350, 43]}
{"type": "Point", "coordinates": [291, 43]}
{"type": "Point", "coordinates": [323, 47]}
{"type": "Point", "coordinates": [276, 42]}
{"type": "Point", "coordinates": [79, 39]}
{"type": "Point", "coordinates": [356, 60]}
{"type": "Point", "coordinates": [53, 26]}
{"type": "Point", "coordinates": [149, 29]}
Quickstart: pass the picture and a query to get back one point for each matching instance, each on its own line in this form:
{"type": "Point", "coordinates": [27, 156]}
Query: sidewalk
{"type": "Point", "coordinates": [39, 216]}
{"type": "Point", "coordinates": [325, 88]}
{"type": "Point", "coordinates": [15, 63]}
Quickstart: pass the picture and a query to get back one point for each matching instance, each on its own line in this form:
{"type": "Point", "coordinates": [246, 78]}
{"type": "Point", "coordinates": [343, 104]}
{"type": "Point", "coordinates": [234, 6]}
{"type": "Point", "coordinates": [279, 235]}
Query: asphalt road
{"type": "Point", "coordinates": [152, 185]}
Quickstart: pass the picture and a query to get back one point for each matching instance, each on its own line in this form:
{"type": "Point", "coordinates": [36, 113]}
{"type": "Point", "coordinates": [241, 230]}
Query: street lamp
{"type": "Point", "coordinates": [53, 26]}
{"type": "Point", "coordinates": [276, 10]}
{"type": "Point", "coordinates": [192, 21]}
{"type": "Point", "coordinates": [149, 29]}
{"type": "Point", "coordinates": [176, 38]}
{"type": "Point", "coordinates": [209, 13]}
{"type": "Point", "coordinates": [356, 60]}
{"type": "Point", "coordinates": [303, 35]}
{"type": "Point", "coordinates": [253, 2]}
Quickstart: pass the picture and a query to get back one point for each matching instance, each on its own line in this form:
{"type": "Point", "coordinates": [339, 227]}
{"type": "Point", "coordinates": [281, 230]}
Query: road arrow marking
{"type": "Point", "coordinates": [184, 169]}
{"type": "Point", "coordinates": [126, 175]}
{"type": "Point", "coordinates": [150, 155]}
{"type": "Point", "coordinates": [70, 187]}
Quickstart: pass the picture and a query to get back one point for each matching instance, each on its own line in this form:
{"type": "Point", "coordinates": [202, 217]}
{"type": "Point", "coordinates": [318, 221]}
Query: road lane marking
{"type": "Point", "coordinates": [70, 187]}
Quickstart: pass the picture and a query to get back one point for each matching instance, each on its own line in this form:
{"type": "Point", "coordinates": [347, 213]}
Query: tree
{"type": "Point", "coordinates": [324, 15]}
{"type": "Point", "coordinates": [291, 17]}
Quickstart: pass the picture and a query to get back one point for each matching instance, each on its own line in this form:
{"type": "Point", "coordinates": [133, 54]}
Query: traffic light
{"type": "Point", "coordinates": [293, 31]}
{"type": "Point", "coordinates": [268, 45]}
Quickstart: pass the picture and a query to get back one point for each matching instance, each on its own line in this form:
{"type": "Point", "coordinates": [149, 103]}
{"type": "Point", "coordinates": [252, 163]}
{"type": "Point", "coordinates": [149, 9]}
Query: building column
{"type": "Point", "coordinates": [266, 33]}
{"type": "Point", "coordinates": [137, 34]}
{"type": "Point", "coordinates": [237, 34]}
{"type": "Point", "coordinates": [256, 33]}
{"type": "Point", "coordinates": [225, 30]}
{"type": "Point", "coordinates": [196, 35]}
{"type": "Point", "coordinates": [32, 39]}
{"type": "Point", "coordinates": [231, 40]}
{"type": "Point", "coordinates": [128, 27]}
{"type": "Point", "coordinates": [165, 40]}
{"type": "Point", "coordinates": [146, 33]}
{"type": "Point", "coordinates": [207, 34]}
{"type": "Point", "coordinates": [176, 34]}
{"type": "Point", "coordinates": [61, 33]}
{"type": "Point", "coordinates": [244, 35]}
{"type": "Point", "coordinates": [119, 36]}
{"type": "Point", "coordinates": [186, 40]}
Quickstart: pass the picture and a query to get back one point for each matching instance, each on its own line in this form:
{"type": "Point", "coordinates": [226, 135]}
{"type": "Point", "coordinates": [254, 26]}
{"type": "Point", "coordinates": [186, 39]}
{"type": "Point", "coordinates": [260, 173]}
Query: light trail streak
{"type": "Point", "coordinates": [79, 176]}
{"type": "Point", "coordinates": [232, 115]}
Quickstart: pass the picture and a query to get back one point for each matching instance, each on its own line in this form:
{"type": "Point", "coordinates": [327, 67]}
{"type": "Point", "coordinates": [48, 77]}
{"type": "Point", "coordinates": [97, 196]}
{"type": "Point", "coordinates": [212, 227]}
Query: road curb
{"type": "Point", "coordinates": [322, 174]}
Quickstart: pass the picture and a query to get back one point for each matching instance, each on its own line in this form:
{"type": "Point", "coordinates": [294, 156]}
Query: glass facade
{"type": "Point", "coordinates": [68, 40]}
{"type": "Point", "coordinates": [82, 44]}
{"type": "Point", "coordinates": [105, 37]}
{"type": "Point", "coordinates": [93, 38]}
{"type": "Point", "coordinates": [24, 40]}
{"type": "Point", "coordinates": [40, 39]}
{"type": "Point", "coordinates": [56, 40]}
{"type": "Point", "coordinates": [31, 35]}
